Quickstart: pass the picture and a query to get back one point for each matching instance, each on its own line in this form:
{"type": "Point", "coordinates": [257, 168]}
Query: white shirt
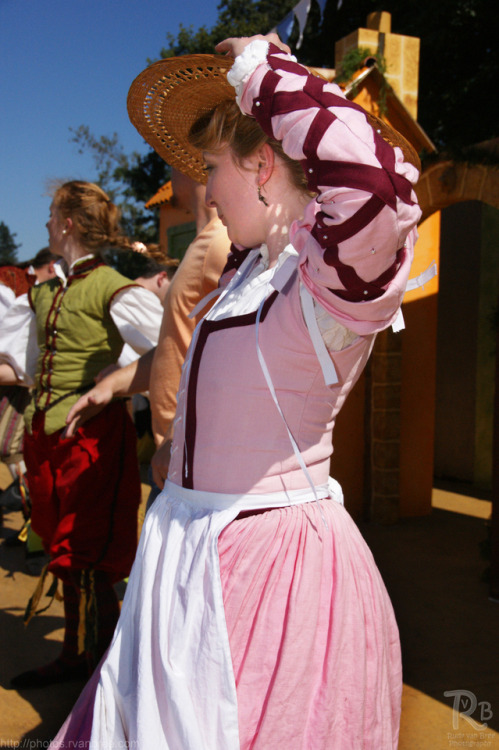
{"type": "Point", "coordinates": [7, 298]}
{"type": "Point", "coordinates": [136, 312]}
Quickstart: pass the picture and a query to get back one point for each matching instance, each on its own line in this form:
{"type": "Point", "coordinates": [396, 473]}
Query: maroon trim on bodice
{"type": "Point", "coordinates": [118, 291]}
{"type": "Point", "coordinates": [30, 299]}
{"type": "Point", "coordinates": [50, 347]}
{"type": "Point", "coordinates": [235, 259]}
{"type": "Point", "coordinates": [85, 267]}
{"type": "Point", "coordinates": [208, 327]}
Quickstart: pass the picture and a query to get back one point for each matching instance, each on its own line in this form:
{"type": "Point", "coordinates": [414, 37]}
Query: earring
{"type": "Point", "coordinates": [261, 197]}
{"type": "Point", "coordinates": [64, 231]}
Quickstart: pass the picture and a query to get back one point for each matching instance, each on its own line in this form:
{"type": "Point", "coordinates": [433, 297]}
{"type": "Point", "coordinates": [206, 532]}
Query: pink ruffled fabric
{"type": "Point", "coordinates": [313, 637]}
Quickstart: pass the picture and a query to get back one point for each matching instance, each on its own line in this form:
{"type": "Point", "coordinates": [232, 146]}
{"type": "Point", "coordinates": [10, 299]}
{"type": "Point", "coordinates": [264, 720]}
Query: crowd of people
{"type": "Point", "coordinates": [254, 615]}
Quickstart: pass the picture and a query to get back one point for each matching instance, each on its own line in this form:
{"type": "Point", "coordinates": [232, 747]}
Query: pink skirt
{"type": "Point", "coordinates": [314, 642]}
{"type": "Point", "coordinates": [313, 639]}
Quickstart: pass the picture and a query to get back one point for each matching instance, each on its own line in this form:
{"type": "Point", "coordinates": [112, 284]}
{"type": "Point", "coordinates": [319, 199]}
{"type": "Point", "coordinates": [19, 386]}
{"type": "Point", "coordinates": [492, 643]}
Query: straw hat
{"type": "Point", "coordinates": [167, 98]}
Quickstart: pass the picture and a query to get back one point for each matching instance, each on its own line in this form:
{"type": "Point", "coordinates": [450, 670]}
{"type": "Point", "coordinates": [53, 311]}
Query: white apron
{"type": "Point", "coordinates": [167, 681]}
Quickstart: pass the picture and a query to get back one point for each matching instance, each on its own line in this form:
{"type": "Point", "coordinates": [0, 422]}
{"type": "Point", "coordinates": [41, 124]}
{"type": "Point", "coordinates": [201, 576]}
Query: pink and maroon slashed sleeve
{"type": "Point", "coordinates": [356, 238]}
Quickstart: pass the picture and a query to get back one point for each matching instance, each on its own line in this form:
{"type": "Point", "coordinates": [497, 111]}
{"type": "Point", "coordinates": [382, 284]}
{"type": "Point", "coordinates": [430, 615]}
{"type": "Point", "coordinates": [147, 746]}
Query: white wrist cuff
{"type": "Point", "coordinates": [251, 57]}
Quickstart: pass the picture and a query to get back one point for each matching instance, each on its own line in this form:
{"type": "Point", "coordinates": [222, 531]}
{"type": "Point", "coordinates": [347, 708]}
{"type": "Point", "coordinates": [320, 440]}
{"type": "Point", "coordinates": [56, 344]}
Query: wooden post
{"type": "Point", "coordinates": [494, 531]}
{"type": "Point", "coordinates": [384, 448]}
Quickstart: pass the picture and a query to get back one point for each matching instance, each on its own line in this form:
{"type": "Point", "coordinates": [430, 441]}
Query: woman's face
{"type": "Point", "coordinates": [56, 229]}
{"type": "Point", "coordinates": [232, 190]}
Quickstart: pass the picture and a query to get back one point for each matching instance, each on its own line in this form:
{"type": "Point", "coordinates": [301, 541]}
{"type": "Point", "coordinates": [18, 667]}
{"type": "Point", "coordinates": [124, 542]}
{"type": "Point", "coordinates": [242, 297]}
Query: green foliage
{"type": "Point", "coordinates": [8, 246]}
{"type": "Point", "coordinates": [129, 180]}
{"type": "Point", "coordinates": [236, 18]}
{"type": "Point", "coordinates": [355, 59]}
{"type": "Point", "coordinates": [108, 156]}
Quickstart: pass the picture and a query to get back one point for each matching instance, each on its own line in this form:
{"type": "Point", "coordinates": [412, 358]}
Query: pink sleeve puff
{"type": "Point", "coordinates": [357, 237]}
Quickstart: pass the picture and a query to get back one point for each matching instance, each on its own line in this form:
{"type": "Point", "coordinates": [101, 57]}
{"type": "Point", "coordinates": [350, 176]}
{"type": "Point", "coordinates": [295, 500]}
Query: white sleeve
{"type": "Point", "coordinates": [137, 314]}
{"type": "Point", "coordinates": [7, 298]}
{"type": "Point", "coordinates": [127, 356]}
{"type": "Point", "coordinates": [18, 342]}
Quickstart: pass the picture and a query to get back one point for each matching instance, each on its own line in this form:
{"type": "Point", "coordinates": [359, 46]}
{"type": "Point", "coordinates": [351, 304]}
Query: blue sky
{"type": "Point", "coordinates": [65, 63]}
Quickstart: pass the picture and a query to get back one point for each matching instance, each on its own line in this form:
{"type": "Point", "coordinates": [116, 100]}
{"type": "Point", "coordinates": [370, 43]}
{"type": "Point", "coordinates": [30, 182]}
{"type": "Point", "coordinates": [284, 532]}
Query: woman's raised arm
{"type": "Point", "coordinates": [357, 238]}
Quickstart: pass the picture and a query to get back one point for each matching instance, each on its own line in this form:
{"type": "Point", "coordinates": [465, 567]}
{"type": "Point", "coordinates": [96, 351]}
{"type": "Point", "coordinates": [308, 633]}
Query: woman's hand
{"type": "Point", "coordinates": [88, 406]}
{"type": "Point", "coordinates": [234, 46]}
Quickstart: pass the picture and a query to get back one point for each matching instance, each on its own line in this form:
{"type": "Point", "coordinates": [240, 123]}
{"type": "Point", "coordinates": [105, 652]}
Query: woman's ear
{"type": "Point", "coordinates": [266, 160]}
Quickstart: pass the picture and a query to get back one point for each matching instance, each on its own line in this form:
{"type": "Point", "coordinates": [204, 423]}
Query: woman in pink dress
{"type": "Point", "coordinates": [255, 616]}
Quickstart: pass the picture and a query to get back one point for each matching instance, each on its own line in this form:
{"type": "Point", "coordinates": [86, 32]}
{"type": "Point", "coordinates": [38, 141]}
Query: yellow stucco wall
{"type": "Point", "coordinates": [419, 351]}
{"type": "Point", "coordinates": [401, 54]}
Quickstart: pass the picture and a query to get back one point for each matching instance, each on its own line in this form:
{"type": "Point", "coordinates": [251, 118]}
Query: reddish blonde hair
{"type": "Point", "coordinates": [226, 125]}
{"type": "Point", "coordinates": [93, 214]}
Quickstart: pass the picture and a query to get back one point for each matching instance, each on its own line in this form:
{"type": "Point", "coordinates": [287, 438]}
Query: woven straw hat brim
{"type": "Point", "coordinates": [167, 98]}
{"type": "Point", "coordinates": [394, 138]}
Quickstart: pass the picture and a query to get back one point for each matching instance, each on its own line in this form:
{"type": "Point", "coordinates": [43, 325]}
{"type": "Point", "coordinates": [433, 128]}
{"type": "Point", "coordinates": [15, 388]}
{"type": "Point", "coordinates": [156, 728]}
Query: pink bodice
{"type": "Point", "coordinates": [229, 435]}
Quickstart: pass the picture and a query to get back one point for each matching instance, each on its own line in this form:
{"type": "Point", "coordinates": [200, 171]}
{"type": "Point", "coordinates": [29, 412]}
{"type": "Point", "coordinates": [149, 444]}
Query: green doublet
{"type": "Point", "coordinates": [76, 336]}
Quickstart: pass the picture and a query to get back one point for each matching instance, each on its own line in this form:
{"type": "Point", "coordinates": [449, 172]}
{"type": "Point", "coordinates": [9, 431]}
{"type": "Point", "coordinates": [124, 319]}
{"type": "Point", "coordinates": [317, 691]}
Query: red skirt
{"type": "Point", "coordinates": [85, 493]}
